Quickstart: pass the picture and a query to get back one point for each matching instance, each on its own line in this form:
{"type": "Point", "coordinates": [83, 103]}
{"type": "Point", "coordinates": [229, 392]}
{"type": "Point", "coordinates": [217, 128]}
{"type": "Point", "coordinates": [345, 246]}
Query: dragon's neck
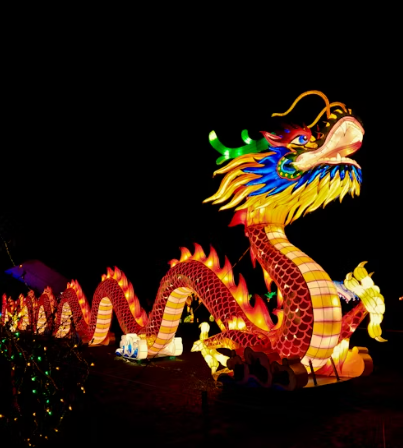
{"type": "Point", "coordinates": [268, 215]}
{"type": "Point", "coordinates": [311, 306]}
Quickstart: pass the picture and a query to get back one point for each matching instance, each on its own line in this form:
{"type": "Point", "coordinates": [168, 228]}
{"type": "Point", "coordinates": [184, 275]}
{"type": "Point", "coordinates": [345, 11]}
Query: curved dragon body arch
{"type": "Point", "coordinates": [270, 182]}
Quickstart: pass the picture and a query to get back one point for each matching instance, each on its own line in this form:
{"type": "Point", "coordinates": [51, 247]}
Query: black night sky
{"type": "Point", "coordinates": [107, 162]}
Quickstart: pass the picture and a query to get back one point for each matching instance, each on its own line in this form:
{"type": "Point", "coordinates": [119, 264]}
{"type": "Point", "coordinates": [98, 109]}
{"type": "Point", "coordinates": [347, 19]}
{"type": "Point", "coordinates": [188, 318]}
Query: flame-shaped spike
{"type": "Point", "coordinates": [109, 273]}
{"type": "Point", "coordinates": [118, 274]}
{"type": "Point", "coordinates": [280, 318]}
{"type": "Point", "coordinates": [258, 314]}
{"type": "Point", "coordinates": [240, 292]}
{"type": "Point", "coordinates": [253, 258]}
{"type": "Point", "coordinates": [130, 291]}
{"type": "Point", "coordinates": [267, 279]}
{"type": "Point", "coordinates": [226, 275]}
{"type": "Point", "coordinates": [261, 316]}
{"type": "Point", "coordinates": [173, 262]}
{"type": "Point", "coordinates": [82, 300]}
{"type": "Point", "coordinates": [185, 254]}
{"type": "Point", "coordinates": [137, 311]}
{"type": "Point", "coordinates": [212, 260]}
{"type": "Point", "coordinates": [123, 282]}
{"type": "Point", "coordinates": [280, 299]}
{"type": "Point", "coordinates": [72, 285]}
{"type": "Point", "coordinates": [199, 254]}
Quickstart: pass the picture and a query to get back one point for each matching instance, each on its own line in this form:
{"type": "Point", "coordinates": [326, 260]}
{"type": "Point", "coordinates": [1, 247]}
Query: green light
{"type": "Point", "coordinates": [47, 401]}
{"type": "Point", "coordinates": [269, 295]}
{"type": "Point", "coordinates": [251, 146]}
{"type": "Point", "coordinates": [34, 391]}
{"type": "Point", "coordinates": [46, 373]}
{"type": "Point", "coordinates": [245, 137]}
{"type": "Point", "coordinates": [39, 358]}
{"type": "Point", "coordinates": [17, 334]}
{"type": "Point", "coordinates": [33, 378]}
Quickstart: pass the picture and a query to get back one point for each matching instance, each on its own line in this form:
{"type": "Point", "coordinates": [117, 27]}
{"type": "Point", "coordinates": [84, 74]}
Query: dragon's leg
{"type": "Point", "coordinates": [212, 356]}
{"type": "Point", "coordinates": [230, 339]}
{"type": "Point", "coordinates": [371, 302]}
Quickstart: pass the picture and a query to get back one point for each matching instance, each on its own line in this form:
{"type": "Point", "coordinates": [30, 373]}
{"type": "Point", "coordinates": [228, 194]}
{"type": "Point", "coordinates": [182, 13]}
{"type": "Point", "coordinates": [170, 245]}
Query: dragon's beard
{"type": "Point", "coordinates": [286, 206]}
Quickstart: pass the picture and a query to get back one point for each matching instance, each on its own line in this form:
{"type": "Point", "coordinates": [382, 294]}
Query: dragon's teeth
{"type": "Point", "coordinates": [338, 157]}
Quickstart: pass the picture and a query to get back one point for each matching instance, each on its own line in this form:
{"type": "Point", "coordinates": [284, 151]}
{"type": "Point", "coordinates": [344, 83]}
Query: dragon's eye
{"type": "Point", "coordinates": [300, 140]}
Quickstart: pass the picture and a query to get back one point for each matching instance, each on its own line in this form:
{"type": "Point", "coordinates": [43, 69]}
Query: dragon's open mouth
{"type": "Point", "coordinates": [344, 139]}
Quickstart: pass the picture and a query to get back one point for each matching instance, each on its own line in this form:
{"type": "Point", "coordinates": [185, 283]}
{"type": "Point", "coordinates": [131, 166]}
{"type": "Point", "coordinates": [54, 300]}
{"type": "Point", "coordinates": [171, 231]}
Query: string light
{"type": "Point", "coordinates": [56, 371]}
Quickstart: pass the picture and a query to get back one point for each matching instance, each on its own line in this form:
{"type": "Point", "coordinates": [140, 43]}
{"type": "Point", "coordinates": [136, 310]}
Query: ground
{"type": "Point", "coordinates": [175, 402]}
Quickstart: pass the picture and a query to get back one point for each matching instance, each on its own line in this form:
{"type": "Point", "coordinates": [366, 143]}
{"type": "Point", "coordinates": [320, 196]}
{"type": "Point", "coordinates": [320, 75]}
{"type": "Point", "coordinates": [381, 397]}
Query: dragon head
{"type": "Point", "coordinates": [292, 171]}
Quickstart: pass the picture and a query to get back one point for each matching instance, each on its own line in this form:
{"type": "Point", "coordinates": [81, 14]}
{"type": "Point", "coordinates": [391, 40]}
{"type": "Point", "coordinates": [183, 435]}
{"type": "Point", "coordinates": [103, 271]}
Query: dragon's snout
{"type": "Point", "coordinates": [343, 139]}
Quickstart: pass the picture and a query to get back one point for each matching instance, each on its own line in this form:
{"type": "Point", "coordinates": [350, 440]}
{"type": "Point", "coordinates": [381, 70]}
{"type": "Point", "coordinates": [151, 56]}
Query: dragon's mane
{"type": "Point", "coordinates": [254, 185]}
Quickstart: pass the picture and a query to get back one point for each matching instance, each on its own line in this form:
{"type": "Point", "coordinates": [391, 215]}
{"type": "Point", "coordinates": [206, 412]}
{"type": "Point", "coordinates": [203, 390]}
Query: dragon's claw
{"type": "Point", "coordinates": [212, 356]}
{"type": "Point", "coordinates": [361, 284]}
{"type": "Point", "coordinates": [198, 346]}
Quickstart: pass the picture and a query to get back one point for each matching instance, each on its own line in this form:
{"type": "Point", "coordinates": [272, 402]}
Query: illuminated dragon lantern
{"type": "Point", "coordinates": [271, 182]}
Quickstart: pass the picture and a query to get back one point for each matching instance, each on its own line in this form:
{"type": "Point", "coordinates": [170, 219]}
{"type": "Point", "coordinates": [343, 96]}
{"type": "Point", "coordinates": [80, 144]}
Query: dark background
{"type": "Point", "coordinates": [106, 158]}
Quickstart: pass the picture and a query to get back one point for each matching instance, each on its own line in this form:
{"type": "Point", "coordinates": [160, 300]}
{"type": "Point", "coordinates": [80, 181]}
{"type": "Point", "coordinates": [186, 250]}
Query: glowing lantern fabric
{"type": "Point", "coordinates": [270, 183]}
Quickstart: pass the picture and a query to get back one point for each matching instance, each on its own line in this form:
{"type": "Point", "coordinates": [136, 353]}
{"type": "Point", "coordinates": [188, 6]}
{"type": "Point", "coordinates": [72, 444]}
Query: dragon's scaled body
{"type": "Point", "coordinates": [271, 182]}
